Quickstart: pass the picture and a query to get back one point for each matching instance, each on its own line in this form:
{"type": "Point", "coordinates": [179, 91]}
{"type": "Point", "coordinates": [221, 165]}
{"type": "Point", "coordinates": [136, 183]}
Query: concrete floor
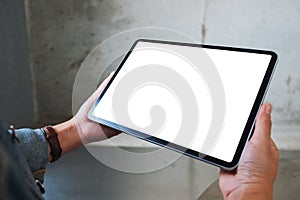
{"type": "Point", "coordinates": [78, 175]}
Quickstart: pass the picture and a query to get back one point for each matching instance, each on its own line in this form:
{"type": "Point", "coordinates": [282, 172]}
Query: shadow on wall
{"type": "Point", "coordinates": [16, 102]}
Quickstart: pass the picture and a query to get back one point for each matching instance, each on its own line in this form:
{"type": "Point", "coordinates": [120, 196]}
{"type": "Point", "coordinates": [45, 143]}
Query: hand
{"type": "Point", "coordinates": [80, 129]}
{"type": "Point", "coordinates": [255, 175]}
{"type": "Point", "coordinates": [90, 131]}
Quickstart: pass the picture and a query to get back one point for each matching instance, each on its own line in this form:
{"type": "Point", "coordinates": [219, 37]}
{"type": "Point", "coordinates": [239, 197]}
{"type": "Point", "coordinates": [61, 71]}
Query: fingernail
{"type": "Point", "coordinates": [268, 108]}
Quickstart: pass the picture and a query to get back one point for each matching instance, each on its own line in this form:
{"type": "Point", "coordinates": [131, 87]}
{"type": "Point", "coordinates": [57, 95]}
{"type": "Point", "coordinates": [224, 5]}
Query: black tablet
{"type": "Point", "coordinates": [198, 100]}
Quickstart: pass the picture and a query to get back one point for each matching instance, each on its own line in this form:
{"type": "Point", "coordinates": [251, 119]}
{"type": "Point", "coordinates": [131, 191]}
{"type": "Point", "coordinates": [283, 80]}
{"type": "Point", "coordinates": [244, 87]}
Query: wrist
{"type": "Point", "coordinates": [68, 135]}
{"type": "Point", "coordinates": [54, 147]}
{"type": "Point", "coordinates": [252, 192]}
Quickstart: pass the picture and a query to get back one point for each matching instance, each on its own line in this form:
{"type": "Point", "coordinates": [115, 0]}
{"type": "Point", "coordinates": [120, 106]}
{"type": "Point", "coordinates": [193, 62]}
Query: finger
{"type": "Point", "coordinates": [104, 83]}
{"type": "Point", "coordinates": [263, 124]}
{"type": "Point", "coordinates": [274, 147]}
{"type": "Point", "coordinates": [272, 143]}
{"type": "Point", "coordinates": [101, 87]}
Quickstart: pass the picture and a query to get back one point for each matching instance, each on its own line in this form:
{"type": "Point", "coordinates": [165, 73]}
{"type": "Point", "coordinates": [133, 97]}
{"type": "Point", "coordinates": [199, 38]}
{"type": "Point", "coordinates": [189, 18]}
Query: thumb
{"type": "Point", "coordinates": [262, 132]}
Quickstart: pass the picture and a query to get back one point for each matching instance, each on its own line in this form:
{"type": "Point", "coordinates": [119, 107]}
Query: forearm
{"type": "Point", "coordinates": [67, 135]}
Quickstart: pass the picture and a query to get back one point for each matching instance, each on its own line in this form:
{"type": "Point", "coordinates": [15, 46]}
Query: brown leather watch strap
{"type": "Point", "coordinates": [55, 149]}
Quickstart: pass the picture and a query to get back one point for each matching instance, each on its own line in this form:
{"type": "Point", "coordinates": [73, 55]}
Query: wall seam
{"type": "Point", "coordinates": [203, 26]}
{"type": "Point", "coordinates": [30, 58]}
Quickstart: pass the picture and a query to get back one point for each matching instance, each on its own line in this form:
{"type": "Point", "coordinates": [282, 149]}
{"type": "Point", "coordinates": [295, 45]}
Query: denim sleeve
{"type": "Point", "coordinates": [34, 146]}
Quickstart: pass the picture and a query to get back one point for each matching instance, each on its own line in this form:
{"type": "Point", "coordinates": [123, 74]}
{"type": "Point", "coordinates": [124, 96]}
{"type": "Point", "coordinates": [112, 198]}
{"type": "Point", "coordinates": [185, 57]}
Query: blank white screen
{"type": "Point", "coordinates": [241, 74]}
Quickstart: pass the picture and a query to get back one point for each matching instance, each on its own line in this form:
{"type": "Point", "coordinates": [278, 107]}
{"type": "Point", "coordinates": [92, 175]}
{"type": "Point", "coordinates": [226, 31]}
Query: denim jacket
{"type": "Point", "coordinates": [20, 158]}
{"type": "Point", "coordinates": [34, 147]}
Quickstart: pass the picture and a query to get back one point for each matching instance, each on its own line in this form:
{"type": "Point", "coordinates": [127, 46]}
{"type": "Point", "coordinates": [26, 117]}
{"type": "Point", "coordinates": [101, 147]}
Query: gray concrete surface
{"type": "Point", "coordinates": [268, 25]}
{"type": "Point", "coordinates": [16, 89]}
{"type": "Point", "coordinates": [79, 176]}
{"type": "Point", "coordinates": [61, 33]}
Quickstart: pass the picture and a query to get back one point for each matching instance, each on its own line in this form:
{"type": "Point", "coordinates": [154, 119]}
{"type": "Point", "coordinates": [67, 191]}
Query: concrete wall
{"type": "Point", "coordinates": [63, 32]}
{"type": "Point", "coordinates": [16, 102]}
{"type": "Point", "coordinates": [268, 25]}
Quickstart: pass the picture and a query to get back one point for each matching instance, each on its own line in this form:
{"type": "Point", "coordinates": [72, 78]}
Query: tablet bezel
{"type": "Point", "coordinates": [248, 129]}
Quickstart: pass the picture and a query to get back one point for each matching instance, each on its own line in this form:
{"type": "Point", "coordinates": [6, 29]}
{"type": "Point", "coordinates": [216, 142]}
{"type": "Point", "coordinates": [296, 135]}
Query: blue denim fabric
{"type": "Point", "coordinates": [16, 180]}
{"type": "Point", "coordinates": [34, 146]}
